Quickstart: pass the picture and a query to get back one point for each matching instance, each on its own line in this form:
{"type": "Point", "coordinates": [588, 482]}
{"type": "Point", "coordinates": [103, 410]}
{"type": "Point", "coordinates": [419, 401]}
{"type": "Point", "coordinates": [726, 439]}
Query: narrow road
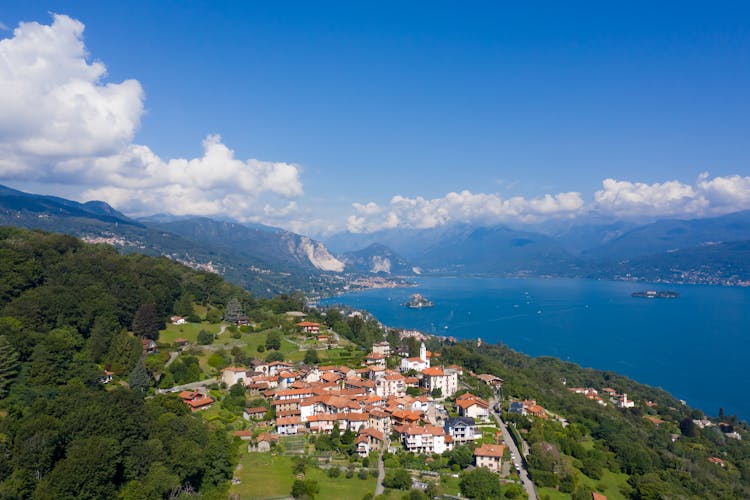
{"type": "Point", "coordinates": [524, 474]}
{"type": "Point", "coordinates": [187, 387]}
{"type": "Point", "coordinates": [379, 488]}
{"type": "Point", "coordinates": [172, 356]}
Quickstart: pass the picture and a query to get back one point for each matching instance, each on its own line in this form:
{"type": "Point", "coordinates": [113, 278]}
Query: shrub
{"type": "Point", "coordinates": [205, 338]}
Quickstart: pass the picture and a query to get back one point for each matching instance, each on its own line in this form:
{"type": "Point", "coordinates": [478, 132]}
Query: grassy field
{"type": "Point", "coordinates": [187, 331]}
{"type": "Point", "coordinates": [341, 487]}
{"type": "Point", "coordinates": [450, 484]}
{"type": "Point", "coordinates": [263, 476]}
{"type": "Point", "coordinates": [267, 476]}
{"type": "Point", "coordinates": [609, 485]}
{"type": "Point", "coordinates": [552, 494]}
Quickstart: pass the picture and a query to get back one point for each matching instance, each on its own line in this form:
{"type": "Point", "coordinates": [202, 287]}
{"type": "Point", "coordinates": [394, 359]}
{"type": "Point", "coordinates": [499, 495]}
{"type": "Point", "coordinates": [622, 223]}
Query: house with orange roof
{"type": "Point", "coordinates": [490, 380]}
{"type": "Point", "coordinates": [379, 419]}
{"type": "Point", "coordinates": [287, 426]}
{"type": "Point", "coordinates": [490, 456]}
{"type": "Point", "coordinates": [309, 327]}
{"type": "Point", "coordinates": [472, 406]}
{"type": "Point", "coordinates": [406, 417]}
{"type": "Point", "coordinates": [425, 440]}
{"type": "Point", "coordinates": [598, 496]}
{"type": "Point", "coordinates": [369, 440]}
{"type": "Point", "coordinates": [263, 442]}
{"type": "Point", "coordinates": [390, 384]}
{"type": "Point", "coordinates": [375, 358]}
{"type": "Point", "coordinates": [436, 377]}
{"type": "Point", "coordinates": [196, 400]}
{"type": "Point", "coordinates": [149, 346]}
{"type": "Point", "coordinates": [534, 409]}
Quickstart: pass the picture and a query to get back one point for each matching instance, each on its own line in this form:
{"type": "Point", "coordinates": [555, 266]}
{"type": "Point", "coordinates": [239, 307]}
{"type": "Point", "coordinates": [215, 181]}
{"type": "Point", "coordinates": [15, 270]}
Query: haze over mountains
{"type": "Point", "coordinates": [270, 260]}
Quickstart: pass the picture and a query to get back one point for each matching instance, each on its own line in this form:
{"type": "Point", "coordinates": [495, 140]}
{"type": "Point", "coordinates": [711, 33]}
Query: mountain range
{"type": "Point", "coordinates": [268, 260]}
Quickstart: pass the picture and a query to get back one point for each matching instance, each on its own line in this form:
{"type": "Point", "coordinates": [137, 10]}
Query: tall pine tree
{"type": "Point", "coordinates": [146, 322]}
{"type": "Point", "coordinates": [8, 365]}
{"type": "Point", "coordinates": [233, 310]}
{"type": "Point", "coordinates": [139, 379]}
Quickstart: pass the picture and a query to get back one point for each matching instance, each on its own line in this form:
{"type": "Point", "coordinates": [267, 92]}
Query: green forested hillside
{"type": "Point", "coordinates": [65, 308]}
{"type": "Point", "coordinates": [658, 447]}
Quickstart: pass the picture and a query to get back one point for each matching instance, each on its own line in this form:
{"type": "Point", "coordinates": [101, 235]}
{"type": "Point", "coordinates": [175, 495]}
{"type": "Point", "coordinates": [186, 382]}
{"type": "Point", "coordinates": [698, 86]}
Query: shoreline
{"type": "Point", "coordinates": [514, 331]}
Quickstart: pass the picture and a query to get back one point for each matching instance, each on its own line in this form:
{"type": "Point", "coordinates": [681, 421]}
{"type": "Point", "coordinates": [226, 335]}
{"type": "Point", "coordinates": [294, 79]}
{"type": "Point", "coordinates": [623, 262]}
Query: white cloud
{"type": "Point", "coordinates": [462, 207]}
{"type": "Point", "coordinates": [62, 123]}
{"type": "Point", "coordinates": [725, 194]}
{"type": "Point", "coordinates": [706, 197]}
{"type": "Point", "coordinates": [619, 198]}
{"type": "Point", "coordinates": [624, 198]}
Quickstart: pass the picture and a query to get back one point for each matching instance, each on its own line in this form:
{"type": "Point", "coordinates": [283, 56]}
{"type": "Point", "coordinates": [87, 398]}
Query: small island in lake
{"type": "Point", "coordinates": [418, 301]}
{"type": "Point", "coordinates": [651, 294]}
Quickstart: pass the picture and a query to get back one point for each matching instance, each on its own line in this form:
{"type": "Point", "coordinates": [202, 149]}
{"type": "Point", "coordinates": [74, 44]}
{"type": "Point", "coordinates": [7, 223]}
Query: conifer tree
{"type": "Point", "coordinates": [139, 379]}
{"type": "Point", "coordinates": [8, 365]}
{"type": "Point", "coordinates": [146, 322]}
{"type": "Point", "coordinates": [233, 310]}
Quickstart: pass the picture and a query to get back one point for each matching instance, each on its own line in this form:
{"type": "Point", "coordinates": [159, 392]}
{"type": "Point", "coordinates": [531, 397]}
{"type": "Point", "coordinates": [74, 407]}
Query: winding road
{"type": "Point", "coordinates": [528, 485]}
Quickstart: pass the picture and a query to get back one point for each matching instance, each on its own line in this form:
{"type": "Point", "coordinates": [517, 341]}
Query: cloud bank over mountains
{"type": "Point", "coordinates": [621, 199]}
{"type": "Point", "coordinates": [61, 123]}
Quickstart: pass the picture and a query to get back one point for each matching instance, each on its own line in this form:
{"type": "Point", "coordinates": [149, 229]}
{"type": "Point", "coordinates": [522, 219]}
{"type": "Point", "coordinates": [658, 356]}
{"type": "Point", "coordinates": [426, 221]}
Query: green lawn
{"type": "Point", "coordinates": [263, 476]}
{"type": "Point", "coordinates": [450, 484]}
{"type": "Point", "coordinates": [609, 484]}
{"type": "Point", "coordinates": [269, 476]}
{"type": "Point", "coordinates": [552, 494]}
{"type": "Point", "coordinates": [187, 331]}
{"type": "Point", "coordinates": [253, 340]}
{"type": "Point", "coordinates": [341, 487]}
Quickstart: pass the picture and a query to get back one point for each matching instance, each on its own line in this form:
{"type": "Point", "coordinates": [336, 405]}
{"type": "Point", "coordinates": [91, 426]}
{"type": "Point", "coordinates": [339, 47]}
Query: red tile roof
{"type": "Point", "coordinates": [434, 371]}
{"type": "Point", "coordinates": [490, 450]}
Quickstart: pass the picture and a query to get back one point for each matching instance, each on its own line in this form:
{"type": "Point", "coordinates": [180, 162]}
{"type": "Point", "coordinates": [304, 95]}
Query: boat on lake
{"type": "Point", "coordinates": [418, 301]}
{"type": "Point", "coordinates": [652, 294]}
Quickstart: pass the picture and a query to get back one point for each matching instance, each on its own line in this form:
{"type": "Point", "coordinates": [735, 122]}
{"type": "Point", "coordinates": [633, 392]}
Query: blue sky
{"type": "Point", "coordinates": [356, 102]}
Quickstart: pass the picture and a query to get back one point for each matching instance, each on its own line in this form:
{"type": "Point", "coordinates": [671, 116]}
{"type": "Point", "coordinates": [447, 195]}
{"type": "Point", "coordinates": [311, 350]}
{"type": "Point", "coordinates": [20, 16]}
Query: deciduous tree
{"type": "Point", "coordinates": [8, 365]}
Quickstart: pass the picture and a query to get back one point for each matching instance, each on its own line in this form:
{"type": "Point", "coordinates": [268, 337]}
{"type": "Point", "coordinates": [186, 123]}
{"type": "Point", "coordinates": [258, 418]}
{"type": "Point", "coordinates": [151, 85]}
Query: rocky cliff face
{"type": "Point", "coordinates": [315, 253]}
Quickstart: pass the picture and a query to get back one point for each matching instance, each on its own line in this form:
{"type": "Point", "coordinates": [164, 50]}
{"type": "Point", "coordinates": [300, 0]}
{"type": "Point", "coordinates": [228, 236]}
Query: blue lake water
{"type": "Point", "coordinates": [695, 346]}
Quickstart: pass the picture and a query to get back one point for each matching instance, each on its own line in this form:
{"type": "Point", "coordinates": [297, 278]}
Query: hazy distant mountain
{"type": "Point", "coordinates": [496, 250]}
{"type": "Point", "coordinates": [282, 248]}
{"type": "Point", "coordinates": [670, 235]}
{"type": "Point", "coordinates": [714, 263]}
{"type": "Point", "coordinates": [580, 236]}
{"type": "Point", "coordinates": [466, 248]}
{"type": "Point", "coordinates": [17, 202]}
{"type": "Point", "coordinates": [377, 259]}
{"type": "Point", "coordinates": [269, 260]}
{"type": "Point", "coordinates": [263, 261]}
{"type": "Point", "coordinates": [409, 243]}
